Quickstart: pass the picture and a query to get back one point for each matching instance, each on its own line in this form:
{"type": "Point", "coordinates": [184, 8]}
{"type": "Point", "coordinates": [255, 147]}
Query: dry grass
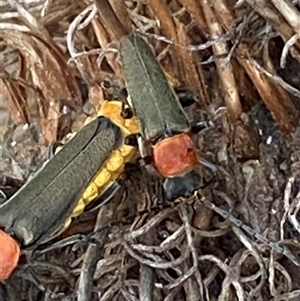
{"type": "Point", "coordinates": [242, 59]}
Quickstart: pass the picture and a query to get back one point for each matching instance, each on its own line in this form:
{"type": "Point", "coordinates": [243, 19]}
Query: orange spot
{"type": "Point", "coordinates": [175, 156]}
{"type": "Point", "coordinates": [9, 255]}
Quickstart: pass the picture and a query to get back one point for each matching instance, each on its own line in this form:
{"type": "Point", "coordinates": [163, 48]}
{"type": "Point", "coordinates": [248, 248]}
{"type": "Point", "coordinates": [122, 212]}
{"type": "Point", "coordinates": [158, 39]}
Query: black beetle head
{"type": "Point", "coordinates": [183, 186]}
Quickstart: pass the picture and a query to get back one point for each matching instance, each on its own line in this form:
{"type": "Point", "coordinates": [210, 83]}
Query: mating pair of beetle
{"type": "Point", "coordinates": [91, 162]}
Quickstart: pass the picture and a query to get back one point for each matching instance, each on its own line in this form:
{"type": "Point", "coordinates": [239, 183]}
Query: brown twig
{"type": "Point", "coordinates": [110, 20]}
{"type": "Point", "coordinates": [195, 10]}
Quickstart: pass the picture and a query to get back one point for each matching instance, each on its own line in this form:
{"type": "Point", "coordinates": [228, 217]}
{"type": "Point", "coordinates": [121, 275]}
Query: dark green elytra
{"type": "Point", "coordinates": [39, 209]}
{"type": "Point", "coordinates": [152, 98]}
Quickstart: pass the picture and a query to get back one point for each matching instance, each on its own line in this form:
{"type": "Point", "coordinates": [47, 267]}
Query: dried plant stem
{"type": "Point", "coordinates": [30, 20]}
{"type": "Point", "coordinates": [193, 79]}
{"type": "Point", "coordinates": [275, 97]}
{"type": "Point", "coordinates": [290, 13]}
{"type": "Point", "coordinates": [110, 20]}
{"type": "Point", "coordinates": [188, 230]}
{"type": "Point", "coordinates": [162, 13]}
{"type": "Point", "coordinates": [196, 12]}
{"type": "Point", "coordinates": [224, 66]}
{"type": "Point", "coordinates": [94, 251]}
{"type": "Point", "coordinates": [270, 14]}
{"type": "Point", "coordinates": [71, 46]}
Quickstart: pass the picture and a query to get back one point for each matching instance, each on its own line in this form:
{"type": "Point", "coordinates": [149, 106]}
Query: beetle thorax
{"type": "Point", "coordinates": [175, 156]}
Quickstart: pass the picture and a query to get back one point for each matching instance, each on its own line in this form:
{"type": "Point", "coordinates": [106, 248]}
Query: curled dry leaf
{"type": "Point", "coordinates": [50, 74]}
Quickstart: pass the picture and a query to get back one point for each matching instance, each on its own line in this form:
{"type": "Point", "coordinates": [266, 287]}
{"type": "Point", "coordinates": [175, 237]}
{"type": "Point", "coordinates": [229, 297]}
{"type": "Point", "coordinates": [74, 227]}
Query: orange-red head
{"type": "Point", "coordinates": [175, 156]}
{"type": "Point", "coordinates": [9, 255]}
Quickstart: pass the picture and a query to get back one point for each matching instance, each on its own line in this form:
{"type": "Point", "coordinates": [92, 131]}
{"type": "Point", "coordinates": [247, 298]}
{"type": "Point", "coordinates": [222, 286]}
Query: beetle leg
{"type": "Point", "coordinates": [63, 243]}
{"type": "Point", "coordinates": [197, 127]}
{"type": "Point", "coordinates": [115, 90]}
{"type": "Point", "coordinates": [212, 168]}
{"type": "Point", "coordinates": [145, 160]}
{"type": "Point", "coordinates": [186, 97]}
{"type": "Point", "coordinates": [131, 140]}
{"type": "Point", "coordinates": [127, 112]}
{"type": "Point", "coordinates": [123, 93]}
{"type": "Point", "coordinates": [209, 165]}
{"type": "Point", "coordinates": [52, 149]}
{"type": "Point", "coordinates": [137, 141]}
{"type": "Point", "coordinates": [3, 197]}
{"type": "Point", "coordinates": [141, 146]}
{"type": "Point", "coordinates": [106, 195]}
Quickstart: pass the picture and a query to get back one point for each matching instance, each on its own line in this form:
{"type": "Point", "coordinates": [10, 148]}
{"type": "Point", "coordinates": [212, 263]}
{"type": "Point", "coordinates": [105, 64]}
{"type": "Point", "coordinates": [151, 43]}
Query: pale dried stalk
{"type": "Point", "coordinates": [46, 7]}
{"type": "Point", "coordinates": [290, 13]}
{"type": "Point", "coordinates": [254, 252]}
{"type": "Point", "coordinates": [231, 278]}
{"type": "Point", "coordinates": [284, 112]}
{"type": "Point", "coordinates": [185, 220]}
{"type": "Point", "coordinates": [286, 49]}
{"type": "Point", "coordinates": [224, 65]}
{"type": "Point", "coordinates": [11, 26]}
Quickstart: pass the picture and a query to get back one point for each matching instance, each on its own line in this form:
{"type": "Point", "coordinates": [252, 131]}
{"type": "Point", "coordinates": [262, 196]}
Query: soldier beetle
{"type": "Point", "coordinates": [86, 167]}
{"type": "Point", "coordinates": [162, 120]}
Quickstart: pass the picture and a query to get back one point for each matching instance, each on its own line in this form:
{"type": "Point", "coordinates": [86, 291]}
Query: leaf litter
{"type": "Point", "coordinates": [241, 59]}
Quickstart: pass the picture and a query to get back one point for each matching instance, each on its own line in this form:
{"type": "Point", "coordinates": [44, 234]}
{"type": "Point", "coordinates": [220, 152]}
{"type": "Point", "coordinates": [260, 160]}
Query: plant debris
{"type": "Point", "coordinates": [59, 61]}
